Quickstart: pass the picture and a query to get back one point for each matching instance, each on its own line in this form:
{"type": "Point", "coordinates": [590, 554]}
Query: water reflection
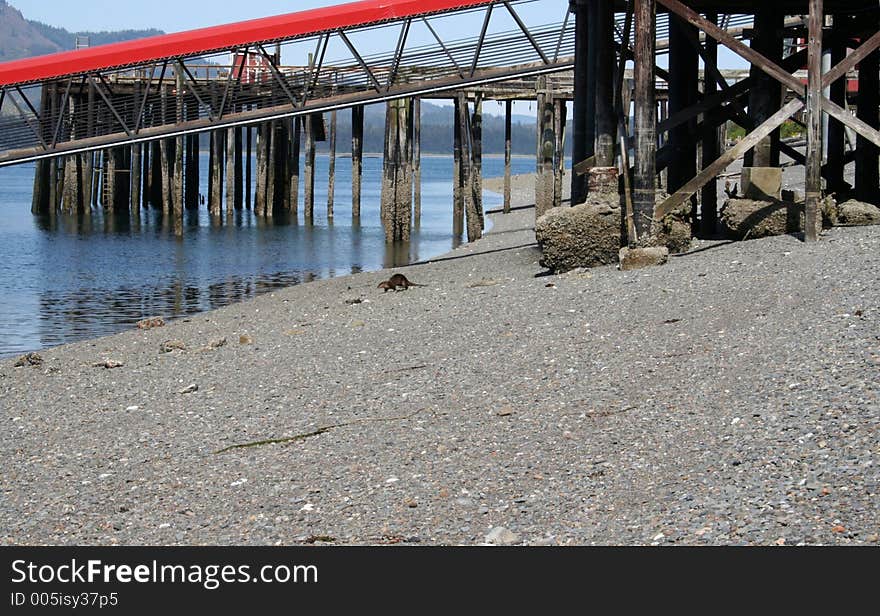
{"type": "Point", "coordinates": [68, 277]}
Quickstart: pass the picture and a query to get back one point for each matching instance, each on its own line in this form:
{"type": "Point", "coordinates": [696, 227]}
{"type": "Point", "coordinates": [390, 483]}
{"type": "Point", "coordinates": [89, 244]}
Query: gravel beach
{"type": "Point", "coordinates": [730, 397]}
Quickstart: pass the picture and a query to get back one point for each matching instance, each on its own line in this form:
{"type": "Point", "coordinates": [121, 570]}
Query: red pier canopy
{"type": "Point", "coordinates": [220, 38]}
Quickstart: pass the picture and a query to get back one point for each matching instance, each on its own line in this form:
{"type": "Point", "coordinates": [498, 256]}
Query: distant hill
{"type": "Point", "coordinates": [23, 38]}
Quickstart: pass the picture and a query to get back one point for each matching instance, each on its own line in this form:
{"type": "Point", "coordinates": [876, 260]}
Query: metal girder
{"type": "Point", "coordinates": [525, 30]}
{"type": "Point", "coordinates": [110, 105]}
{"type": "Point", "coordinates": [181, 66]}
{"type": "Point", "coordinates": [360, 60]}
{"type": "Point", "coordinates": [398, 54]}
{"type": "Point", "coordinates": [483, 39]}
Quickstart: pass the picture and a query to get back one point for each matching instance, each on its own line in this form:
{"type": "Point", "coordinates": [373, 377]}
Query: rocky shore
{"type": "Point", "coordinates": [730, 397]}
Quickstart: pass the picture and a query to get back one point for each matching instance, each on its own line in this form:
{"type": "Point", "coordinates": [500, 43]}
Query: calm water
{"type": "Point", "coordinates": [63, 279]}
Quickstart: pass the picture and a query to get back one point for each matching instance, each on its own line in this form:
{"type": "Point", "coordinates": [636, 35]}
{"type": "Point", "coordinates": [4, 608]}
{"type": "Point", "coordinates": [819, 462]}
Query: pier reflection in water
{"type": "Point", "coordinates": [66, 277]}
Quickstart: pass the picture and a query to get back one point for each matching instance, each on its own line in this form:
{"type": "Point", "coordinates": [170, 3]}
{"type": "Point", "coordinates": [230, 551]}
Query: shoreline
{"type": "Point", "coordinates": [668, 406]}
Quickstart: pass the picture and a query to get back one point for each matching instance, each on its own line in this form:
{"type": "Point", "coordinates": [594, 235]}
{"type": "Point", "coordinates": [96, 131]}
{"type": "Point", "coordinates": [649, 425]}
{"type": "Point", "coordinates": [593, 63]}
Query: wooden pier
{"type": "Point", "coordinates": [663, 130]}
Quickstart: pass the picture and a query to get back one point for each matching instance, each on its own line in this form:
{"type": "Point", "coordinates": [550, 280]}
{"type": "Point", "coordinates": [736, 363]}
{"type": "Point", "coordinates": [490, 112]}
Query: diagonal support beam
{"type": "Point", "coordinates": [60, 122]}
{"type": "Point", "coordinates": [229, 79]}
{"type": "Point", "coordinates": [110, 106]}
{"type": "Point", "coordinates": [482, 39]}
{"type": "Point", "coordinates": [195, 92]}
{"type": "Point", "coordinates": [25, 117]}
{"type": "Point", "coordinates": [525, 30]}
{"type": "Point", "coordinates": [864, 50]}
{"type": "Point", "coordinates": [841, 115]}
{"type": "Point", "coordinates": [444, 48]}
{"type": "Point", "coordinates": [750, 141]}
{"type": "Point", "coordinates": [360, 61]}
{"type": "Point", "coordinates": [276, 74]}
{"type": "Point", "coordinates": [728, 40]}
{"type": "Point", "coordinates": [143, 105]}
{"type": "Point", "coordinates": [398, 53]}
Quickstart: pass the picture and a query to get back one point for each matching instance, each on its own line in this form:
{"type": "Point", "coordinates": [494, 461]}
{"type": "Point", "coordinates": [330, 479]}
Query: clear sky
{"type": "Point", "coordinates": [167, 15]}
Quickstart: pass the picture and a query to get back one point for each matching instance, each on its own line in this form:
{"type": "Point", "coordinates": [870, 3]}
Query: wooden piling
{"type": "Point", "coordinates": [545, 183]}
{"type": "Point", "coordinates": [683, 93]}
{"type": "Point", "coordinates": [272, 194]}
{"type": "Point", "coordinates": [261, 162]}
{"type": "Point", "coordinates": [248, 167]}
{"type": "Point", "coordinates": [813, 218]}
{"type": "Point", "coordinates": [559, 117]}
{"type": "Point", "coordinates": [710, 140]}
{"type": "Point", "coordinates": [396, 201]}
{"type": "Point", "coordinates": [179, 154]}
{"type": "Point", "coordinates": [233, 173]}
{"type": "Point", "coordinates": [476, 135]}
{"type": "Point", "coordinates": [136, 166]}
{"type": "Point", "coordinates": [215, 179]}
{"type": "Point", "coordinates": [581, 91]}
{"type": "Point", "coordinates": [192, 172]}
{"type": "Point", "coordinates": [606, 118]}
{"type": "Point", "coordinates": [357, 157]}
{"type": "Point", "coordinates": [331, 173]}
{"type": "Point", "coordinates": [472, 221]}
{"type": "Point", "coordinates": [40, 197]}
{"type": "Point", "coordinates": [417, 160]}
{"type": "Point", "coordinates": [309, 179]}
{"type": "Point", "coordinates": [508, 112]}
{"type": "Point", "coordinates": [765, 95]}
{"type": "Point", "coordinates": [293, 168]}
{"type": "Point", "coordinates": [836, 162]}
{"type": "Point", "coordinates": [867, 178]}
{"type": "Point", "coordinates": [457, 162]}
{"type": "Point", "coordinates": [644, 177]}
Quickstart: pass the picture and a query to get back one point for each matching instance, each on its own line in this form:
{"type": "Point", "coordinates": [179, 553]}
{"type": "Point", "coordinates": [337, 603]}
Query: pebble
{"type": "Point", "coordinates": [502, 536]}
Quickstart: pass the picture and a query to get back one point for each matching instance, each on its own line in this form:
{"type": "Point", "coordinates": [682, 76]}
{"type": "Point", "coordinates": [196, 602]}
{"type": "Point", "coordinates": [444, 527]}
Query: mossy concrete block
{"type": "Point", "coordinates": [751, 219]}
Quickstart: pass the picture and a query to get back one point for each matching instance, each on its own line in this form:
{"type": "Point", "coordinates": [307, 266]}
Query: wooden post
{"type": "Point", "coordinates": [581, 92]}
{"type": "Point", "coordinates": [711, 139]}
{"type": "Point", "coordinates": [508, 112]}
{"type": "Point", "coordinates": [813, 219]}
{"type": "Point", "coordinates": [458, 161]}
{"type": "Point", "coordinates": [546, 181]}
{"type": "Point", "coordinates": [417, 160]}
{"type": "Point", "coordinates": [52, 106]}
{"type": "Point", "coordinates": [89, 157]}
{"type": "Point", "coordinates": [293, 201]}
{"type": "Point", "coordinates": [331, 173]}
{"type": "Point", "coordinates": [233, 174]}
{"type": "Point", "coordinates": [263, 137]}
{"type": "Point", "coordinates": [155, 177]}
{"type": "Point", "coordinates": [272, 176]}
{"type": "Point", "coordinates": [192, 172]}
{"type": "Point", "coordinates": [309, 188]}
{"type": "Point", "coordinates": [867, 154]}
{"type": "Point", "coordinates": [40, 199]}
{"type": "Point", "coordinates": [357, 157]}
{"type": "Point", "coordinates": [683, 82]}
{"type": "Point", "coordinates": [248, 169]}
{"type": "Point", "coordinates": [136, 154]}
{"type": "Point", "coordinates": [836, 131]}
{"type": "Point", "coordinates": [396, 205]}
{"type": "Point", "coordinates": [593, 52]}
{"type": "Point", "coordinates": [215, 196]}
{"type": "Point", "coordinates": [559, 113]}
{"type": "Point", "coordinates": [472, 221]}
{"type": "Point", "coordinates": [644, 178]}
{"type": "Point", "coordinates": [476, 135]}
{"type": "Point", "coordinates": [606, 118]}
{"type": "Point", "coordinates": [765, 95]}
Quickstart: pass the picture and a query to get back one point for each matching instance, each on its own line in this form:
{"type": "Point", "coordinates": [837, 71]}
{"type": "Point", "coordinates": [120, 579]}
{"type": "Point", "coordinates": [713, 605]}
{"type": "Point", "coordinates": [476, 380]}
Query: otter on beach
{"type": "Point", "coordinates": [398, 280]}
